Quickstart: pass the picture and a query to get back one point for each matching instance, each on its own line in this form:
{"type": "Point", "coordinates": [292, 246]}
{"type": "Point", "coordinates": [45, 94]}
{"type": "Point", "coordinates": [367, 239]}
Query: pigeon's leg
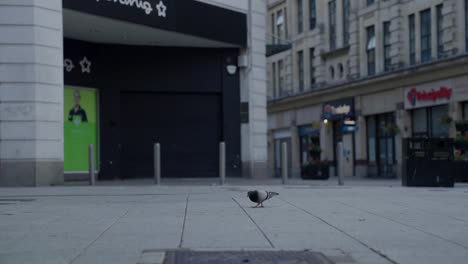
{"type": "Point", "coordinates": [261, 205]}
{"type": "Point", "coordinates": [256, 206]}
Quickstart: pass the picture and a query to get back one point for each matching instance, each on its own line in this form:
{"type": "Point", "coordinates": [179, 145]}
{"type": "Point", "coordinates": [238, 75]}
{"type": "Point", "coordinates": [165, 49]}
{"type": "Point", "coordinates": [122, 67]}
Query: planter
{"type": "Point", "coordinates": [460, 170]}
{"type": "Point", "coordinates": [461, 145]}
{"type": "Point", "coordinates": [315, 172]}
{"type": "Point", "coordinates": [461, 127]}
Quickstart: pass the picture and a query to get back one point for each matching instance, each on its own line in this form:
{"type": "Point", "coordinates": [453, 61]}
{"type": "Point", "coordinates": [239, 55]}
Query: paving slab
{"type": "Point", "coordinates": [362, 222]}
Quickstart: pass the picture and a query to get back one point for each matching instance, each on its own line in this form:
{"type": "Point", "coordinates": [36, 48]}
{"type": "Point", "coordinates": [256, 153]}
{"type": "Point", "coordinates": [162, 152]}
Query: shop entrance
{"type": "Point", "coordinates": [381, 145]}
{"type": "Point", "coordinates": [187, 125]}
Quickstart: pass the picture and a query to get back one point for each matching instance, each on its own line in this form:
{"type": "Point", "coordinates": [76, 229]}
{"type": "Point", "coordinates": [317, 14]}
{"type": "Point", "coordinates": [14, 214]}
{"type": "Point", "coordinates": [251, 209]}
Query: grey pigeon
{"type": "Point", "coordinates": [259, 196]}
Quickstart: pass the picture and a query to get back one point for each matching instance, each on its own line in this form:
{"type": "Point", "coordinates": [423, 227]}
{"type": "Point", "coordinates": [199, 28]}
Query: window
{"type": "Point", "coordinates": [381, 145]}
{"type": "Point", "coordinates": [332, 73]}
{"type": "Point", "coordinates": [426, 35]}
{"type": "Point", "coordinates": [300, 68]}
{"type": "Point", "coordinates": [371, 138]}
{"type": "Point", "coordinates": [332, 23]}
{"type": "Point", "coordinates": [440, 44]}
{"type": "Point", "coordinates": [279, 26]}
{"type": "Point", "coordinates": [438, 128]}
{"type": "Point", "coordinates": [419, 121]}
{"type": "Point", "coordinates": [312, 14]}
{"type": "Point", "coordinates": [427, 122]}
{"type": "Point", "coordinates": [309, 138]}
{"type": "Point", "coordinates": [312, 67]}
{"type": "Point", "coordinates": [370, 51]}
{"type": "Point", "coordinates": [340, 70]}
{"type": "Point", "coordinates": [387, 46]}
{"type": "Point", "coordinates": [273, 80]}
{"type": "Point", "coordinates": [465, 110]}
{"type": "Point", "coordinates": [466, 25]}
{"type": "Point", "coordinates": [273, 23]}
{"type": "Point", "coordinates": [346, 12]}
{"type": "Point", "coordinates": [285, 14]}
{"type": "Point", "coordinates": [300, 23]}
{"type": "Point", "coordinates": [370, 2]}
{"type": "Point", "coordinates": [412, 39]}
{"type": "Point", "coordinates": [282, 90]}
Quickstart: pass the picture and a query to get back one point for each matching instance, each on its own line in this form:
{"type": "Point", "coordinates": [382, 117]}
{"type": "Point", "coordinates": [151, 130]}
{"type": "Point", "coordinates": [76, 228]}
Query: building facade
{"type": "Point", "coordinates": [123, 75]}
{"type": "Point", "coordinates": [397, 68]}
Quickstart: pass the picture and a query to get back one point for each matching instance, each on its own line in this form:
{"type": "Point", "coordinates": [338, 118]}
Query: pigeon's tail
{"type": "Point", "coordinates": [271, 194]}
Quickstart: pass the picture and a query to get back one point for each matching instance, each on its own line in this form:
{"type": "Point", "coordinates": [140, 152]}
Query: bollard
{"type": "Point", "coordinates": [92, 180]}
{"type": "Point", "coordinates": [157, 164]}
{"type": "Point", "coordinates": [284, 162]}
{"type": "Point", "coordinates": [340, 164]}
{"type": "Point", "coordinates": [222, 163]}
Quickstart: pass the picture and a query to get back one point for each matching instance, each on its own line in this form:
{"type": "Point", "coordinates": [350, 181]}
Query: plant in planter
{"type": "Point", "coordinates": [391, 129]}
{"type": "Point", "coordinates": [461, 125]}
{"type": "Point", "coordinates": [316, 170]}
{"type": "Point", "coordinates": [461, 157]}
{"type": "Point", "coordinates": [314, 152]}
{"type": "Point", "coordinates": [461, 142]}
{"type": "Point", "coordinates": [445, 120]}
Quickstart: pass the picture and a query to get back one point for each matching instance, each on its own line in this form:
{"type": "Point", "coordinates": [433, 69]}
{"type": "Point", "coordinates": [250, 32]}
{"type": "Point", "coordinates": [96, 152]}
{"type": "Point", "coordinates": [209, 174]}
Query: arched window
{"type": "Point", "coordinates": [340, 70]}
{"type": "Point", "coordinates": [332, 72]}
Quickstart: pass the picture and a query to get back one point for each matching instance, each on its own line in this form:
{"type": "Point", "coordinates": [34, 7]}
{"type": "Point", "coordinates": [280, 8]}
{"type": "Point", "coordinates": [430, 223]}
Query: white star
{"type": "Point", "coordinates": [161, 9]}
{"type": "Point", "coordinates": [85, 65]}
{"type": "Point", "coordinates": [68, 64]}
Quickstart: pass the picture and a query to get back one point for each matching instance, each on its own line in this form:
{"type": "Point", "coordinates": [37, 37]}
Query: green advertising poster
{"type": "Point", "coordinates": [80, 129]}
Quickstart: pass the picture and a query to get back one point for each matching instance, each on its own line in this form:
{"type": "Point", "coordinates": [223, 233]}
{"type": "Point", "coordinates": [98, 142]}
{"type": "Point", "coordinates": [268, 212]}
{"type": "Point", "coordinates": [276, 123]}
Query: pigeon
{"type": "Point", "coordinates": [259, 196]}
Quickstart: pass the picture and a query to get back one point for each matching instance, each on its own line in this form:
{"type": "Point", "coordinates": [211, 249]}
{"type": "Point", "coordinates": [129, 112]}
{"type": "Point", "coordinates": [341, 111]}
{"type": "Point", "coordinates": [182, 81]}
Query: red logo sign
{"type": "Point", "coordinates": [415, 95]}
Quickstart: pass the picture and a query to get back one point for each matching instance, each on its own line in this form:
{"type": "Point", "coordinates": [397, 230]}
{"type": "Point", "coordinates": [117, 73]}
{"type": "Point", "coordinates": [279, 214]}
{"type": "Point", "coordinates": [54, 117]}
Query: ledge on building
{"type": "Point", "coordinates": [334, 53]}
{"type": "Point", "coordinates": [272, 49]}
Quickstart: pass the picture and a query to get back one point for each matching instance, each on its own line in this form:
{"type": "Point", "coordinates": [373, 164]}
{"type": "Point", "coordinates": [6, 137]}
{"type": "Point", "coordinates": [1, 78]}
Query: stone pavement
{"type": "Point", "coordinates": [361, 222]}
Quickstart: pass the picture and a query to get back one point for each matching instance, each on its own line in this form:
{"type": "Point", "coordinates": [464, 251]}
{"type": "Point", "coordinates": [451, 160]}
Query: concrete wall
{"type": "Point", "coordinates": [31, 92]}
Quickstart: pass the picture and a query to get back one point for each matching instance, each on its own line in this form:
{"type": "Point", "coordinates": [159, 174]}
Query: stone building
{"type": "Point", "coordinates": [398, 68]}
{"type": "Point", "coordinates": [123, 75]}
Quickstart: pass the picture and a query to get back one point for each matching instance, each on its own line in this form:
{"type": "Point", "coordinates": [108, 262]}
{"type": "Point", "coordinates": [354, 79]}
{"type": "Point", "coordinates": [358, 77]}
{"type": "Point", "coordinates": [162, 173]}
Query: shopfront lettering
{"type": "Point", "coordinates": [414, 95]}
{"type": "Point", "coordinates": [339, 110]}
{"type": "Point", "coordinates": [143, 5]}
{"type": "Point", "coordinates": [85, 64]}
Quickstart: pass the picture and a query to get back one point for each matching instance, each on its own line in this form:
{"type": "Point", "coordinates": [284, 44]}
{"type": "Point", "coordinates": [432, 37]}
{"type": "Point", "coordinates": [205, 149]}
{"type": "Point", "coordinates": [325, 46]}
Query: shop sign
{"type": "Point", "coordinates": [338, 109]}
{"type": "Point", "coordinates": [427, 97]}
{"type": "Point", "coordinates": [145, 6]}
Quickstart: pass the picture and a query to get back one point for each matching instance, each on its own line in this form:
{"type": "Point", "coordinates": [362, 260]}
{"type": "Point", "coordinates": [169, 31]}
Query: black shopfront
{"type": "Point", "coordinates": [180, 96]}
{"type": "Point", "coordinates": [334, 114]}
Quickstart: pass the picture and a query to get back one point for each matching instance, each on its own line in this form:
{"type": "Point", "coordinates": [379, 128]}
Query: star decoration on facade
{"type": "Point", "coordinates": [161, 9]}
{"type": "Point", "coordinates": [85, 65]}
{"type": "Point", "coordinates": [68, 64]}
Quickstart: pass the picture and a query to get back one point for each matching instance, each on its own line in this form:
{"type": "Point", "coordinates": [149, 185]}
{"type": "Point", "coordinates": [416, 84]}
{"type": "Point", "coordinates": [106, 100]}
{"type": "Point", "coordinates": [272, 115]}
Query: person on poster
{"type": "Point", "coordinates": [77, 114]}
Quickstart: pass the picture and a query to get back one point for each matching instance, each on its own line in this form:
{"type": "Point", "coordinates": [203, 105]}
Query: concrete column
{"type": "Point", "coordinates": [455, 112]}
{"type": "Point", "coordinates": [361, 147]}
{"type": "Point", "coordinates": [326, 141]}
{"type": "Point", "coordinates": [295, 153]}
{"type": "Point", "coordinates": [253, 90]}
{"type": "Point", "coordinates": [403, 121]}
{"type": "Point", "coordinates": [31, 93]}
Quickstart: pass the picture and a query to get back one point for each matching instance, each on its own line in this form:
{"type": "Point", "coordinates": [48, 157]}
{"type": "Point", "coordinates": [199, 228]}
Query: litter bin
{"type": "Point", "coordinates": [428, 162]}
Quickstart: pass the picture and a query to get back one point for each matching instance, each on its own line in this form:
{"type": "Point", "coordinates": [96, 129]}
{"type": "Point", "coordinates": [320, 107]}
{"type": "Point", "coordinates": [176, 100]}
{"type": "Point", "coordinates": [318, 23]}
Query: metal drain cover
{"type": "Point", "coordinates": [245, 257]}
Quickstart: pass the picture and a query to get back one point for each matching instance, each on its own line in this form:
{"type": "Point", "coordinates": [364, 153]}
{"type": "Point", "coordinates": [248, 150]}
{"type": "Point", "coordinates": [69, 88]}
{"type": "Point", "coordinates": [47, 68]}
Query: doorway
{"type": "Point", "coordinates": [187, 125]}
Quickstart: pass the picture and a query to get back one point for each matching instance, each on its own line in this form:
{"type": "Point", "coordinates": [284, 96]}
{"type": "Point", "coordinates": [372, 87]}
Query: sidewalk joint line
{"type": "Point", "coordinates": [100, 235]}
{"type": "Point", "coordinates": [185, 219]}
{"type": "Point", "coordinates": [251, 219]}
{"type": "Point", "coordinates": [382, 255]}
{"type": "Point", "coordinates": [425, 211]}
{"type": "Point", "coordinates": [410, 226]}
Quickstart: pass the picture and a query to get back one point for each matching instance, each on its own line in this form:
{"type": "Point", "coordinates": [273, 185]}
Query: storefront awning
{"type": "Point", "coordinates": [185, 23]}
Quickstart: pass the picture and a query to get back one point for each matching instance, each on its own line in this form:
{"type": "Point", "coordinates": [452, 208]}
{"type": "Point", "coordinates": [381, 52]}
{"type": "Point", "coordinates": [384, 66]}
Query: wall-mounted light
{"type": "Point", "coordinates": [231, 69]}
{"type": "Point", "coordinates": [325, 121]}
{"type": "Point", "coordinates": [231, 66]}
